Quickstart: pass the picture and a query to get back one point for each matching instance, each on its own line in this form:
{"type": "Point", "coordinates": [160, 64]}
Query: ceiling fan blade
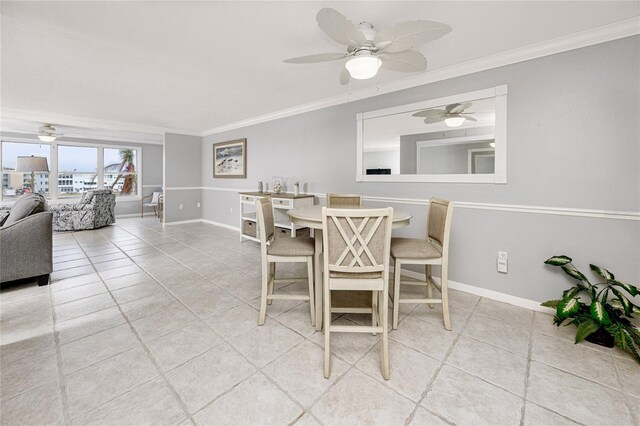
{"type": "Point", "coordinates": [345, 77]}
{"type": "Point", "coordinates": [466, 117]}
{"type": "Point", "coordinates": [460, 107]}
{"type": "Point", "coordinates": [449, 108]}
{"type": "Point", "coordinates": [407, 61]}
{"type": "Point", "coordinates": [321, 57]}
{"type": "Point", "coordinates": [429, 113]}
{"type": "Point", "coordinates": [339, 28]}
{"type": "Point", "coordinates": [407, 35]}
{"type": "Point", "coordinates": [432, 120]}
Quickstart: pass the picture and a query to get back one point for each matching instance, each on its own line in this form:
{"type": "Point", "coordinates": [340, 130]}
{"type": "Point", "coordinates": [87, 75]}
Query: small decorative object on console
{"type": "Point", "coordinates": [277, 186]}
{"type": "Point", "coordinates": [260, 189]}
{"type": "Point", "coordinates": [296, 188]}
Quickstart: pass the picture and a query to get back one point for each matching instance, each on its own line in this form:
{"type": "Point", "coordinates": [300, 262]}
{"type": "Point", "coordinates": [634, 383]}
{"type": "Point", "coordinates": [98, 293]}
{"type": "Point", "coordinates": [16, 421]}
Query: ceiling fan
{"type": "Point", "coordinates": [453, 114]}
{"type": "Point", "coordinates": [369, 49]}
{"type": "Point", "coordinates": [48, 133]}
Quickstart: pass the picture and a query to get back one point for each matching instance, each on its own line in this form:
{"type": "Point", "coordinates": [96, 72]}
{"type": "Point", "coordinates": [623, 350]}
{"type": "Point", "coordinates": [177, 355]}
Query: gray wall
{"type": "Point", "coordinates": [382, 160]}
{"type": "Point", "coordinates": [182, 169]}
{"type": "Point", "coordinates": [151, 167]}
{"type": "Point", "coordinates": [573, 143]}
{"type": "Point", "coordinates": [408, 147]}
{"type": "Point", "coordinates": [447, 159]}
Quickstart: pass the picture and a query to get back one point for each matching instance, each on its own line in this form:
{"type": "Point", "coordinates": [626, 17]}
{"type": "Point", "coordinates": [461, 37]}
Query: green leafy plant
{"type": "Point", "coordinates": [602, 307]}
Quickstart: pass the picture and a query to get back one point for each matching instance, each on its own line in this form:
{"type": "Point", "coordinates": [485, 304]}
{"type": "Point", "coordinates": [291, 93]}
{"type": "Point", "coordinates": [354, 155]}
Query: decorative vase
{"type": "Point", "coordinates": [277, 187]}
{"type": "Point", "coordinates": [601, 337]}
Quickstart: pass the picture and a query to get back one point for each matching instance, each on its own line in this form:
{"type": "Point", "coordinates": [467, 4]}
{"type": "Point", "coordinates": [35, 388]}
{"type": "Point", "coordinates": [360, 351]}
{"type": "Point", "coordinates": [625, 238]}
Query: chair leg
{"type": "Point", "coordinates": [155, 212]}
{"type": "Point", "coordinates": [384, 318]}
{"type": "Point", "coordinates": [263, 299]}
{"type": "Point", "coordinates": [43, 280]}
{"type": "Point", "coordinates": [396, 293]}
{"type": "Point", "coordinates": [327, 333]}
{"type": "Point", "coordinates": [272, 274]}
{"type": "Point", "coordinates": [312, 294]}
{"type": "Point", "coordinates": [444, 284]}
{"type": "Point", "coordinates": [427, 274]}
{"type": "Point", "coordinates": [375, 296]}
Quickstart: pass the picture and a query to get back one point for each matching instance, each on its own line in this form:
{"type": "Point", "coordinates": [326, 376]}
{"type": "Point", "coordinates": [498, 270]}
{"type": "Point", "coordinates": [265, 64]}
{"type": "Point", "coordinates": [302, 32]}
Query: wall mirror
{"type": "Point", "coordinates": [460, 138]}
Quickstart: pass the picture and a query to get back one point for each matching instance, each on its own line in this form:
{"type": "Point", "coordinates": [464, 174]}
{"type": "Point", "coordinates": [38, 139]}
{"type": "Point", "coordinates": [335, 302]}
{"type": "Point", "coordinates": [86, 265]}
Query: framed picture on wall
{"type": "Point", "coordinates": [230, 159]}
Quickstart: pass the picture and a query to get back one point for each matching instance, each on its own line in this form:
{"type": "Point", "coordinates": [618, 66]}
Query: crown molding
{"type": "Point", "coordinates": [91, 124]}
{"type": "Point", "coordinates": [602, 34]}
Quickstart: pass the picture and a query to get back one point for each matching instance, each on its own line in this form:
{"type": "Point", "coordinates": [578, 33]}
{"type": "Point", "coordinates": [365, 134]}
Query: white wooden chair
{"type": "Point", "coordinates": [155, 199]}
{"type": "Point", "coordinates": [344, 200]}
{"type": "Point", "coordinates": [283, 249]}
{"type": "Point", "coordinates": [356, 258]}
{"type": "Point", "coordinates": [432, 251]}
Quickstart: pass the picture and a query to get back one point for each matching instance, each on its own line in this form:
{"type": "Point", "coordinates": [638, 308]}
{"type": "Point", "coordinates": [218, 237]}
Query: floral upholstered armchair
{"type": "Point", "coordinates": [94, 210]}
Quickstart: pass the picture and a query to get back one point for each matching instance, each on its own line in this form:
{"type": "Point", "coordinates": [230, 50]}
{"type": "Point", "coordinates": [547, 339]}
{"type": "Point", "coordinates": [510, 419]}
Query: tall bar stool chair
{"type": "Point", "coordinates": [432, 251]}
{"type": "Point", "coordinates": [356, 258]}
{"type": "Point", "coordinates": [272, 250]}
{"type": "Point", "coordinates": [344, 200]}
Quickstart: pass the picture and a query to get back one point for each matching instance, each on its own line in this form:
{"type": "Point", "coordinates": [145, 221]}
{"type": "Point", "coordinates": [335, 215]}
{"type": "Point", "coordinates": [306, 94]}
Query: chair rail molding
{"type": "Point", "coordinates": [518, 208]}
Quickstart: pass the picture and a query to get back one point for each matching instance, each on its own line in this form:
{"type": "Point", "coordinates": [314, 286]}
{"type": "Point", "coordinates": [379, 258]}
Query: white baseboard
{"type": "Point", "coordinates": [182, 222]}
{"type": "Point", "coordinates": [478, 291]}
{"type": "Point", "coordinates": [483, 292]}
{"type": "Point", "coordinates": [222, 225]}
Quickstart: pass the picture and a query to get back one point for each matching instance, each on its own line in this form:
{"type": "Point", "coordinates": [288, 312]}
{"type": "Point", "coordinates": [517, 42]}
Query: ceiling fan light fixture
{"type": "Point", "coordinates": [363, 66]}
{"type": "Point", "coordinates": [454, 121]}
{"type": "Point", "coordinates": [47, 138]}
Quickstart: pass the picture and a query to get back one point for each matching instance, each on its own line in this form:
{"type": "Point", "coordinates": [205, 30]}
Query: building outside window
{"type": "Point", "coordinates": [76, 165]}
{"type": "Point", "coordinates": [78, 169]}
{"type": "Point", "coordinates": [15, 183]}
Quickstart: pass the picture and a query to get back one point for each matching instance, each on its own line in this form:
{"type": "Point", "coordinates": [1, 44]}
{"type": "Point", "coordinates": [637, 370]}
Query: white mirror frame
{"type": "Point", "coordinates": [500, 133]}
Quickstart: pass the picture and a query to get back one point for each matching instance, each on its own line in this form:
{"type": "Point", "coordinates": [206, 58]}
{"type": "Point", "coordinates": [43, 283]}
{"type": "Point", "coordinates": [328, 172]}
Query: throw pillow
{"type": "Point", "coordinates": [26, 205]}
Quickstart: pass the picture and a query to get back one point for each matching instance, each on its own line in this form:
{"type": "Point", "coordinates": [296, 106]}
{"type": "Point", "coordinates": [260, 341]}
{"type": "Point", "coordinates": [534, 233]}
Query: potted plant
{"type": "Point", "coordinates": [600, 311]}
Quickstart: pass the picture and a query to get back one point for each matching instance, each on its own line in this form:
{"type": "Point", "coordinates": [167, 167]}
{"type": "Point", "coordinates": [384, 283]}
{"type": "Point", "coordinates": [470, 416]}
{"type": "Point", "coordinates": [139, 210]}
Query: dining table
{"type": "Point", "coordinates": [310, 216]}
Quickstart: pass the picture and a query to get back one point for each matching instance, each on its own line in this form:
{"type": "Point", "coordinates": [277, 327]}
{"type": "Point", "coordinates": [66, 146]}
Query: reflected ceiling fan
{"type": "Point", "coordinates": [369, 49]}
{"type": "Point", "coordinates": [453, 115]}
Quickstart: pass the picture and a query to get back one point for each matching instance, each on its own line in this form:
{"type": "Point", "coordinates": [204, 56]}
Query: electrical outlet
{"type": "Point", "coordinates": [198, 205]}
{"type": "Point", "coordinates": [181, 206]}
{"type": "Point", "coordinates": [502, 262]}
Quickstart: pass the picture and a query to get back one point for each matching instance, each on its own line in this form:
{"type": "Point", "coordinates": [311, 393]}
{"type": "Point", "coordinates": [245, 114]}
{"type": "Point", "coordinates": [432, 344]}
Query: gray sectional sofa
{"type": "Point", "coordinates": [26, 240]}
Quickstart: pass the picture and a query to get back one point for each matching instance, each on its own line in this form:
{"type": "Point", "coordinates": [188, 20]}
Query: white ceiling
{"type": "Point", "coordinates": [197, 65]}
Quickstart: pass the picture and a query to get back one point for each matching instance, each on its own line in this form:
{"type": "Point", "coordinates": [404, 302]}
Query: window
{"type": "Point", "coordinates": [16, 182]}
{"type": "Point", "coordinates": [121, 170]}
{"type": "Point", "coordinates": [69, 169]}
{"type": "Point", "coordinates": [77, 171]}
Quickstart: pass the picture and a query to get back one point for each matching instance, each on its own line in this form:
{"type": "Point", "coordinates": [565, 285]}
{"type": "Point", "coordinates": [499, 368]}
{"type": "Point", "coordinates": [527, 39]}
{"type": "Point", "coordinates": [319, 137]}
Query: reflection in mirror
{"type": "Point", "coordinates": [459, 138]}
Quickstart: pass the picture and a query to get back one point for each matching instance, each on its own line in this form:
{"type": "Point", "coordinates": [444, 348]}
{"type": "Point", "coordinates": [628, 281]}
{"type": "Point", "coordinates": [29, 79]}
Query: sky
{"type": "Point", "coordinates": [70, 158]}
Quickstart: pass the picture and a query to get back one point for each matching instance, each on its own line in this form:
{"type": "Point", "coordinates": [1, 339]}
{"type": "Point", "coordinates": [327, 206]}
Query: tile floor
{"type": "Point", "coordinates": [147, 325]}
